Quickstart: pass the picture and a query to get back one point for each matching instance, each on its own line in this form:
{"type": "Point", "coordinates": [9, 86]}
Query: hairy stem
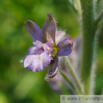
{"type": "Point", "coordinates": [98, 18]}
{"type": "Point", "coordinates": [70, 83]}
{"type": "Point", "coordinates": [74, 75]}
{"type": "Point", "coordinates": [88, 43]}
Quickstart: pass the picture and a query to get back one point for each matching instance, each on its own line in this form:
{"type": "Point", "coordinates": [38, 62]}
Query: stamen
{"type": "Point", "coordinates": [39, 58]}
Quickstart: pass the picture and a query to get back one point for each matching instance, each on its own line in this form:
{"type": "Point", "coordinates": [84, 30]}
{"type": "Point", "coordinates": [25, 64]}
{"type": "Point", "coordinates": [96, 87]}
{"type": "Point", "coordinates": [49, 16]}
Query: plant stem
{"type": "Point", "coordinates": [98, 18]}
{"type": "Point", "coordinates": [70, 83]}
{"type": "Point", "coordinates": [72, 6]}
{"type": "Point", "coordinates": [88, 43]}
{"type": "Point", "coordinates": [74, 75]}
{"type": "Point", "coordinates": [78, 7]}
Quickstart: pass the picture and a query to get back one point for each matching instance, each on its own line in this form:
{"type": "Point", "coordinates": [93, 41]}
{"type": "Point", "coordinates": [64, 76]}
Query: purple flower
{"type": "Point", "coordinates": [46, 50]}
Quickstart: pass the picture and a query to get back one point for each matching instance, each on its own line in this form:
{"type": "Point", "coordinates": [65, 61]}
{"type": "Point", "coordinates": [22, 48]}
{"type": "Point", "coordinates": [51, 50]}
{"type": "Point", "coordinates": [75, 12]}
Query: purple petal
{"type": "Point", "coordinates": [49, 28]}
{"type": "Point", "coordinates": [53, 68]}
{"type": "Point", "coordinates": [38, 44]}
{"type": "Point", "coordinates": [59, 36]}
{"type": "Point", "coordinates": [34, 51]}
{"type": "Point", "coordinates": [65, 47]}
{"type": "Point", "coordinates": [39, 48]}
{"type": "Point", "coordinates": [34, 30]}
{"type": "Point", "coordinates": [47, 48]}
{"type": "Point", "coordinates": [36, 63]}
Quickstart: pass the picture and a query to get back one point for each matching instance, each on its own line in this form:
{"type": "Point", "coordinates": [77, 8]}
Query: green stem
{"type": "Point", "coordinates": [72, 6]}
{"type": "Point", "coordinates": [70, 83]}
{"type": "Point", "coordinates": [78, 7]}
{"type": "Point", "coordinates": [73, 73]}
{"type": "Point", "coordinates": [88, 43]}
{"type": "Point", "coordinates": [98, 18]}
{"type": "Point", "coordinates": [62, 88]}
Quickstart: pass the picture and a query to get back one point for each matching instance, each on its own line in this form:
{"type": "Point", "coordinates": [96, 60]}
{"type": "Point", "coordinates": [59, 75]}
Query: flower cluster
{"type": "Point", "coordinates": [45, 50]}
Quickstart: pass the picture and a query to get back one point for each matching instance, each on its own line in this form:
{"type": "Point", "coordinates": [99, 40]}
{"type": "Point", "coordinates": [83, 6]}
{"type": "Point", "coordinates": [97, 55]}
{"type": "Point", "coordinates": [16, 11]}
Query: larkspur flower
{"type": "Point", "coordinates": [46, 50]}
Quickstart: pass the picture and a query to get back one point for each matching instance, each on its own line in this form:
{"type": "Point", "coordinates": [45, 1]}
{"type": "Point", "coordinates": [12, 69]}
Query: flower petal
{"type": "Point", "coordinates": [38, 44]}
{"type": "Point", "coordinates": [34, 30]}
{"type": "Point", "coordinates": [34, 51]}
{"type": "Point", "coordinates": [49, 28]}
{"type": "Point", "coordinates": [64, 47]}
{"type": "Point", "coordinates": [53, 68]}
{"type": "Point", "coordinates": [39, 48]}
{"type": "Point", "coordinates": [36, 63]}
{"type": "Point", "coordinates": [59, 36]}
{"type": "Point", "coordinates": [29, 59]}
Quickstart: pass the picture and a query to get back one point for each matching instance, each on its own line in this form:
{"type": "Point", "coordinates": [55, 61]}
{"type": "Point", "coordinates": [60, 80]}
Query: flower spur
{"type": "Point", "coordinates": [46, 50]}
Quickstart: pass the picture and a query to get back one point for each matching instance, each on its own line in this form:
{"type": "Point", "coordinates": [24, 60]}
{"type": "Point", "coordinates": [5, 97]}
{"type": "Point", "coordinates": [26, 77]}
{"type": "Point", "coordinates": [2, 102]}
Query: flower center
{"type": "Point", "coordinates": [54, 52]}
